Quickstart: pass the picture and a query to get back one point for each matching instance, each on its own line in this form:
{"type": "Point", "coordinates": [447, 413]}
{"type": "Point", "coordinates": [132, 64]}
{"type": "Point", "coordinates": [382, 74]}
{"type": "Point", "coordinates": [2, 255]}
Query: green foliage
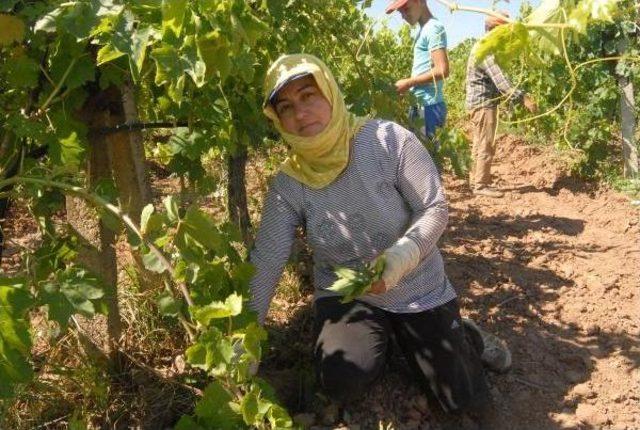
{"type": "Point", "coordinates": [577, 94]}
{"type": "Point", "coordinates": [351, 283]}
{"type": "Point", "coordinates": [73, 291]}
{"type": "Point", "coordinates": [15, 340]}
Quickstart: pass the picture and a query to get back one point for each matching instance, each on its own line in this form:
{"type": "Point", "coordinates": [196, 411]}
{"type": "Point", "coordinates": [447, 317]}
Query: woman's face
{"type": "Point", "coordinates": [302, 108]}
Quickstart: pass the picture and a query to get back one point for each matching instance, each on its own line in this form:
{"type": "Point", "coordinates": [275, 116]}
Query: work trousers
{"type": "Point", "coordinates": [484, 122]}
{"type": "Point", "coordinates": [353, 341]}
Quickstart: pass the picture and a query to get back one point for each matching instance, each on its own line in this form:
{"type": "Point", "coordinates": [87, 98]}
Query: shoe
{"type": "Point", "coordinates": [495, 355]}
{"type": "Point", "coordinates": [488, 192]}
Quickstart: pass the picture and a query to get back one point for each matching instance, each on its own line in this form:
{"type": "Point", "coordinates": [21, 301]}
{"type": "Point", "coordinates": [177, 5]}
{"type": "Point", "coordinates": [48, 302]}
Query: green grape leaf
{"type": "Point", "coordinates": [153, 263]}
{"type": "Point", "coordinates": [211, 352]}
{"type": "Point", "coordinates": [138, 52]}
{"type": "Point", "coordinates": [15, 301]}
{"type": "Point", "coordinates": [145, 216]}
{"type": "Point", "coordinates": [173, 12]}
{"type": "Point", "coordinates": [242, 274]}
{"type": "Point", "coordinates": [67, 151]}
{"type": "Point", "coordinates": [194, 66]}
{"type": "Point", "coordinates": [13, 29]}
{"type": "Point", "coordinates": [111, 75]}
{"type": "Point", "coordinates": [505, 42]}
{"type": "Point", "coordinates": [202, 229]}
{"type": "Point", "coordinates": [15, 340]}
{"type": "Point", "coordinates": [168, 305]}
{"type": "Point", "coordinates": [73, 291]}
{"type": "Point", "coordinates": [14, 368]}
{"type": "Point", "coordinates": [230, 307]}
{"type": "Point", "coordinates": [279, 418]}
{"type": "Point", "coordinates": [168, 64]}
{"type": "Point", "coordinates": [21, 72]}
{"type": "Point", "coordinates": [254, 334]}
{"type": "Point", "coordinates": [245, 63]}
{"type": "Point", "coordinates": [588, 11]}
{"type": "Point", "coordinates": [249, 406]}
{"type": "Point", "coordinates": [214, 50]}
{"type": "Point", "coordinates": [7, 5]}
{"type": "Point", "coordinates": [354, 283]}
{"type": "Point", "coordinates": [171, 205]}
{"type": "Point", "coordinates": [215, 408]}
{"type": "Point", "coordinates": [108, 53]}
{"type": "Point", "coordinates": [252, 27]}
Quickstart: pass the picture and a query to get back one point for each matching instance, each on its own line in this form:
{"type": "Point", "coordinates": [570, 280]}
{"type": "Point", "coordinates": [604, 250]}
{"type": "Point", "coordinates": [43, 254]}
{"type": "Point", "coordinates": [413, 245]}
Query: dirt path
{"type": "Point", "coordinates": [553, 268]}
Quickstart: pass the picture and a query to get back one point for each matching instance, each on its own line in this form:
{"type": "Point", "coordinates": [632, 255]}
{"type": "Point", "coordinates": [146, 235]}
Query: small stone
{"type": "Point", "coordinates": [589, 414]}
{"type": "Point", "coordinates": [305, 419]}
{"type": "Point", "coordinates": [584, 391]}
{"type": "Point", "coordinates": [620, 398]}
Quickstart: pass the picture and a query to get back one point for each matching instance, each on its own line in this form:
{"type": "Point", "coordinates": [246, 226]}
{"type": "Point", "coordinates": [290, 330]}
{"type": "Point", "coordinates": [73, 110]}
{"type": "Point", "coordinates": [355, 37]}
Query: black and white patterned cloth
{"type": "Point", "coordinates": [389, 189]}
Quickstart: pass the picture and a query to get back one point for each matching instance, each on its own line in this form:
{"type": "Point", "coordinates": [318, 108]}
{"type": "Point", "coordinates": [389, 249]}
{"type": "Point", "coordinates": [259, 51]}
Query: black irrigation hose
{"type": "Point", "coordinates": [138, 126]}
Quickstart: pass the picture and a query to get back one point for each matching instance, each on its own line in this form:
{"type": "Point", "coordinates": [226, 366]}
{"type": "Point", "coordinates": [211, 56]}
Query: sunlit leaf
{"type": "Point", "coordinates": [230, 307]}
{"type": "Point", "coordinates": [173, 12]}
{"type": "Point", "coordinates": [214, 408]}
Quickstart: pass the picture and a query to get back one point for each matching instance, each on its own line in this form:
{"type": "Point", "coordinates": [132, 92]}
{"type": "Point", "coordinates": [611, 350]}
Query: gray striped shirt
{"type": "Point", "coordinates": [389, 189]}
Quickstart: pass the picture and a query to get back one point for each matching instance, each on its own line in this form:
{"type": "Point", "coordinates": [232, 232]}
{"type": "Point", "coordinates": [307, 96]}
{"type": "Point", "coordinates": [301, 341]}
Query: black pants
{"type": "Point", "coordinates": [353, 340]}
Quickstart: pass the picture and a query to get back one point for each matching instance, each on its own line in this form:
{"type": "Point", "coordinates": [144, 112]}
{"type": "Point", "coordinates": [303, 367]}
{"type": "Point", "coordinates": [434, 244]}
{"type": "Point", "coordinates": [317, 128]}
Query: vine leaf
{"type": "Point", "coordinates": [67, 151]}
{"type": "Point", "coordinates": [232, 306]}
{"type": "Point", "coordinates": [173, 12]}
{"type": "Point", "coordinates": [254, 334]}
{"type": "Point", "coordinates": [215, 408]}
{"type": "Point", "coordinates": [15, 340]}
{"type": "Point", "coordinates": [212, 352]}
{"type": "Point", "coordinates": [353, 283]}
{"type": "Point", "coordinates": [168, 305]}
{"type": "Point", "coordinates": [153, 263]}
{"type": "Point", "coordinates": [73, 291]}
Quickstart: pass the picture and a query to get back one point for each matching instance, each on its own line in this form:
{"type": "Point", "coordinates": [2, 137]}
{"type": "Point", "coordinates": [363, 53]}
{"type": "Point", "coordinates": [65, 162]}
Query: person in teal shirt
{"type": "Point", "coordinates": [430, 63]}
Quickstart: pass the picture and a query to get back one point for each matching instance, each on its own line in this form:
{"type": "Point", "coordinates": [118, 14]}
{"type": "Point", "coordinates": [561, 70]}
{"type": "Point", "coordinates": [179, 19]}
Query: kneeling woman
{"type": "Point", "coordinates": [363, 188]}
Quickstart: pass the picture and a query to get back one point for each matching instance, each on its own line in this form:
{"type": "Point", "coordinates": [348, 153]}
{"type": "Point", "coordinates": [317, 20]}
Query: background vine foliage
{"type": "Point", "coordinates": [81, 80]}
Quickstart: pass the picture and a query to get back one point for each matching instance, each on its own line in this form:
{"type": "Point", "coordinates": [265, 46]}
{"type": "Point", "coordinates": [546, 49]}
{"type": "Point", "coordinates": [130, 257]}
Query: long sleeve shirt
{"type": "Point", "coordinates": [389, 189]}
{"type": "Point", "coordinates": [486, 84]}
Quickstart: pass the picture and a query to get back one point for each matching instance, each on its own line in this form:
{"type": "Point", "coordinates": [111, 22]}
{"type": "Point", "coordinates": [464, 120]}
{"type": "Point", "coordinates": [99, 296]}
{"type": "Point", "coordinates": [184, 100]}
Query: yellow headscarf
{"type": "Point", "coordinates": [318, 160]}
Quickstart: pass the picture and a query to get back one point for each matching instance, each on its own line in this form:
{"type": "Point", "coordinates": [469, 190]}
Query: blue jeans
{"type": "Point", "coordinates": [434, 117]}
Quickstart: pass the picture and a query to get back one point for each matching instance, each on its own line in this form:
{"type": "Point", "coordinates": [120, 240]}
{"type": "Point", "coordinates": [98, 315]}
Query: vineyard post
{"type": "Point", "coordinates": [130, 162]}
{"type": "Point", "coordinates": [97, 245]}
{"type": "Point", "coordinates": [627, 120]}
{"type": "Point", "coordinates": [237, 192]}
